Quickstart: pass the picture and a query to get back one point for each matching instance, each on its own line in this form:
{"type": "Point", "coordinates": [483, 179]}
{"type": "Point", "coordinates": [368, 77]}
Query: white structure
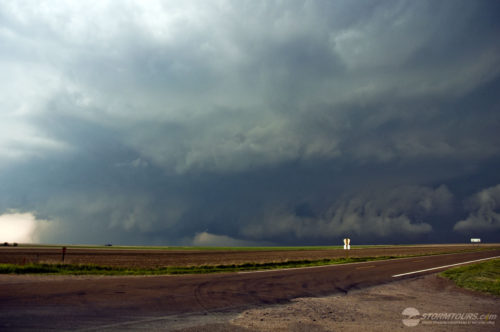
{"type": "Point", "coordinates": [473, 240]}
{"type": "Point", "coordinates": [347, 244]}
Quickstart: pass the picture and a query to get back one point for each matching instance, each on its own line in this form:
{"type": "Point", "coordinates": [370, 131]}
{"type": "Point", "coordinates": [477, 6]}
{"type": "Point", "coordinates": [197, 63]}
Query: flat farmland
{"type": "Point", "coordinates": [154, 258]}
{"type": "Point", "coordinates": [218, 301]}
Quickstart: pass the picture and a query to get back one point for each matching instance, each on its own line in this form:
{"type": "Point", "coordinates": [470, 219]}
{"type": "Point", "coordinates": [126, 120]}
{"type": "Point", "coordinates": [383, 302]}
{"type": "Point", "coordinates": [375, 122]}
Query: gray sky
{"type": "Point", "coordinates": [250, 122]}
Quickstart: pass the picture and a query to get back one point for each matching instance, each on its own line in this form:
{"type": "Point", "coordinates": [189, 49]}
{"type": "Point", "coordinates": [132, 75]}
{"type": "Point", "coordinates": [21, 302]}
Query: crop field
{"type": "Point", "coordinates": [151, 258]}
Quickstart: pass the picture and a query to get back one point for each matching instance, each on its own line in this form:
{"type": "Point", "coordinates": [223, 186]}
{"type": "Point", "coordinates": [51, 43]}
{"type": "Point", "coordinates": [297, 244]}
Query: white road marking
{"type": "Point", "coordinates": [311, 267]}
{"type": "Point", "coordinates": [338, 264]}
{"type": "Point", "coordinates": [440, 267]}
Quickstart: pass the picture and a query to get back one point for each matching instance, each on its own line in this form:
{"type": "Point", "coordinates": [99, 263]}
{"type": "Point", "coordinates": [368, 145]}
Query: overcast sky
{"type": "Point", "coordinates": [250, 122]}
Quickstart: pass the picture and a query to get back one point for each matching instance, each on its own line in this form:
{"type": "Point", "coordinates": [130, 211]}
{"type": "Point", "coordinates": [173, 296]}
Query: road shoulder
{"type": "Point", "coordinates": [377, 308]}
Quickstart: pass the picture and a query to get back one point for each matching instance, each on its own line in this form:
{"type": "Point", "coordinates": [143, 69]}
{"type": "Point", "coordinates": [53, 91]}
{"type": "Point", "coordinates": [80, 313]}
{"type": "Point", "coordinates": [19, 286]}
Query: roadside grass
{"type": "Point", "coordinates": [91, 269]}
{"type": "Point", "coordinates": [483, 277]}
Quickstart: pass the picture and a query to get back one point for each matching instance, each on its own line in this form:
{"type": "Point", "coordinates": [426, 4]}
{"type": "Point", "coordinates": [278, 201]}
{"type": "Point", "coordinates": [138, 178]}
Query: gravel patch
{"type": "Point", "coordinates": [378, 308]}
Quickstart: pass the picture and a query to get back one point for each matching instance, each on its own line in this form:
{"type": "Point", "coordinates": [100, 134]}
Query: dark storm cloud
{"type": "Point", "coordinates": [251, 122]}
{"type": "Point", "coordinates": [400, 211]}
{"type": "Point", "coordinates": [485, 216]}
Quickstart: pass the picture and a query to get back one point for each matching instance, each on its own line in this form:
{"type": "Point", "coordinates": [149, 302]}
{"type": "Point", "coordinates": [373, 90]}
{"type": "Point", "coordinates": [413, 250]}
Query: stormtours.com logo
{"type": "Point", "coordinates": [412, 317]}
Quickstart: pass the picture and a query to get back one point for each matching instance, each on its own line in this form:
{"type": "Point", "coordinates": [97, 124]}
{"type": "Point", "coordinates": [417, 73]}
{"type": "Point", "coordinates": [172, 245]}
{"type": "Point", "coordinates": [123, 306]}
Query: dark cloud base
{"type": "Point", "coordinates": [294, 123]}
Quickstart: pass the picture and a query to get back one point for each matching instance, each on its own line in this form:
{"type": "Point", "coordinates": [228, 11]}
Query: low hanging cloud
{"type": "Point", "coordinates": [205, 239]}
{"type": "Point", "coordinates": [484, 209]}
{"type": "Point", "coordinates": [111, 217]}
{"type": "Point", "coordinates": [401, 211]}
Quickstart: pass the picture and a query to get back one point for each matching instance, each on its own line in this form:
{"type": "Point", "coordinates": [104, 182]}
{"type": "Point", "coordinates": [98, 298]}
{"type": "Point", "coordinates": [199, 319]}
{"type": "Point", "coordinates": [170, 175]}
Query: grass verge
{"type": "Point", "coordinates": [483, 277]}
{"type": "Point", "coordinates": [90, 269]}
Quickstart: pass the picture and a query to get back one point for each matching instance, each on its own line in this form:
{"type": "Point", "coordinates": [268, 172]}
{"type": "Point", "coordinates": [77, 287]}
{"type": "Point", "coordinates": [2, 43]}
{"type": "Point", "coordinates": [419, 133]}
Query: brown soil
{"type": "Point", "coordinates": [281, 300]}
{"type": "Point", "coordinates": [378, 308]}
{"type": "Point", "coordinates": [157, 258]}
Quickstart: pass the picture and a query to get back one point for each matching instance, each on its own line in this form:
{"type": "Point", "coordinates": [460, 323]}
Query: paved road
{"type": "Point", "coordinates": [66, 303]}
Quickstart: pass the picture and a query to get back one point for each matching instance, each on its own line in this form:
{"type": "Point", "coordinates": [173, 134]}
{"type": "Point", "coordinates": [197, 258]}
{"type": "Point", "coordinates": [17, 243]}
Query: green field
{"type": "Point", "coordinates": [483, 277]}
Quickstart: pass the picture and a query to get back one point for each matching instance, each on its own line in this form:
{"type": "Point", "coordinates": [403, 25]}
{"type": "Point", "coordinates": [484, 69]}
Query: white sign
{"type": "Point", "coordinates": [347, 244]}
{"type": "Point", "coordinates": [475, 240]}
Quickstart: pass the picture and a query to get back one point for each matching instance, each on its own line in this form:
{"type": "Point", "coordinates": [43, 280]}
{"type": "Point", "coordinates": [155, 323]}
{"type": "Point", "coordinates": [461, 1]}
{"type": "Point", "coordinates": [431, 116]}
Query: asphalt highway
{"type": "Point", "coordinates": [70, 303]}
